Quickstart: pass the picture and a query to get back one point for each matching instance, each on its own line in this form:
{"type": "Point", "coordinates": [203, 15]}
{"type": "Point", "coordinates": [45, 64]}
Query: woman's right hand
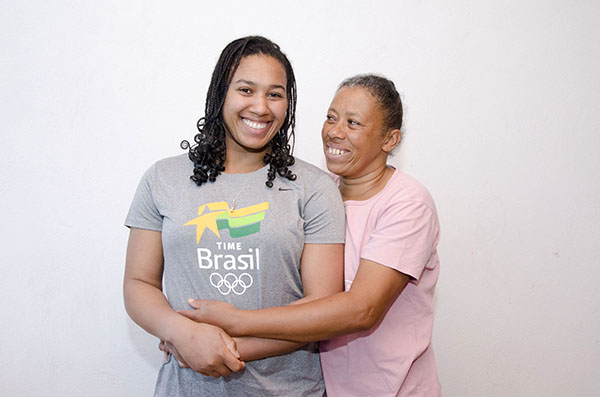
{"type": "Point", "coordinates": [206, 349]}
{"type": "Point", "coordinates": [220, 314]}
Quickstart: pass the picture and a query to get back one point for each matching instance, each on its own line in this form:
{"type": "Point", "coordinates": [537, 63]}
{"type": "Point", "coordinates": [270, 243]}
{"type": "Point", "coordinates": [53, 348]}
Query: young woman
{"type": "Point", "coordinates": [250, 227]}
{"type": "Point", "coordinates": [381, 325]}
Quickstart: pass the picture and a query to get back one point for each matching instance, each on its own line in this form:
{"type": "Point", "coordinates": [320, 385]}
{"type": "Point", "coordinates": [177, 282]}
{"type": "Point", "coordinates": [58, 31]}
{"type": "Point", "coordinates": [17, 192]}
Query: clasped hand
{"type": "Point", "coordinates": [221, 314]}
{"type": "Point", "coordinates": [204, 348]}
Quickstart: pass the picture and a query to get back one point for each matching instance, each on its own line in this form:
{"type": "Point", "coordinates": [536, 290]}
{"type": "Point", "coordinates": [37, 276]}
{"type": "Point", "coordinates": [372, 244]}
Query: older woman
{"type": "Point", "coordinates": [379, 328]}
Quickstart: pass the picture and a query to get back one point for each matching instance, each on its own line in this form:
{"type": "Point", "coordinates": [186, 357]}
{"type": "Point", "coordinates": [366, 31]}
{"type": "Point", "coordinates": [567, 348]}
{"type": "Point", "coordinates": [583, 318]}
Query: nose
{"type": "Point", "coordinates": [334, 131]}
{"type": "Point", "coordinates": [259, 105]}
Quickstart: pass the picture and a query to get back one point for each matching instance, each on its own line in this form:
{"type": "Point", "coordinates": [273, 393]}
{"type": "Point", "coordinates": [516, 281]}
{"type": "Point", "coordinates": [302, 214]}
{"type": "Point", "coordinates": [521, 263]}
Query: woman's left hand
{"type": "Point", "coordinates": [170, 349]}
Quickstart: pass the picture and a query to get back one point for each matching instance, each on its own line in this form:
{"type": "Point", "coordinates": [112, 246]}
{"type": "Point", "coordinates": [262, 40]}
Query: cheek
{"type": "Point", "coordinates": [327, 126]}
{"type": "Point", "coordinates": [281, 110]}
{"type": "Point", "coordinates": [229, 99]}
{"type": "Point", "coordinates": [229, 111]}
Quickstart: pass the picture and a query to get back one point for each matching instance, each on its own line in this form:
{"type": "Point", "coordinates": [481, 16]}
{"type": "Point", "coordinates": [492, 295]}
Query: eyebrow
{"type": "Point", "coordinates": [352, 114]}
{"type": "Point", "coordinates": [253, 84]}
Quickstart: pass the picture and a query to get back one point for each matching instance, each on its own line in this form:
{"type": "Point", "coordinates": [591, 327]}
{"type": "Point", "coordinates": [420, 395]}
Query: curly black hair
{"type": "Point", "coordinates": [209, 151]}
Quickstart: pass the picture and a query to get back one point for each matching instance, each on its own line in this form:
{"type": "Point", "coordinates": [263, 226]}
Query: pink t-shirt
{"type": "Point", "coordinates": [397, 228]}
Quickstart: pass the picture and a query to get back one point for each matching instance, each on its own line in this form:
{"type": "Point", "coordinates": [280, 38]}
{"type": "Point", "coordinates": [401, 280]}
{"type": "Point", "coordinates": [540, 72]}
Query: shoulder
{"type": "Point", "coordinates": [314, 185]}
{"type": "Point", "coordinates": [179, 162]}
{"type": "Point", "coordinates": [403, 188]}
{"type": "Point", "coordinates": [312, 179]}
{"type": "Point", "coordinates": [172, 165]}
{"type": "Point", "coordinates": [169, 171]}
{"type": "Point", "coordinates": [307, 172]}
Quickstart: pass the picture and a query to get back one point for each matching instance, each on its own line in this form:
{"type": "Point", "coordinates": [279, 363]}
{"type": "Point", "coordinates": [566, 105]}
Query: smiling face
{"type": "Point", "coordinates": [353, 138]}
{"type": "Point", "coordinates": [256, 104]}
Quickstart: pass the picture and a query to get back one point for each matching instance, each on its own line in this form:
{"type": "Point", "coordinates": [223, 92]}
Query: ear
{"type": "Point", "coordinates": [392, 139]}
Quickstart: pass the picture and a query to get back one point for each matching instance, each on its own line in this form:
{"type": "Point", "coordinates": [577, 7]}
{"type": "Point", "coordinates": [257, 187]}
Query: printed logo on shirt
{"type": "Point", "coordinates": [240, 223]}
{"type": "Point", "coordinates": [231, 283]}
{"type": "Point", "coordinates": [229, 258]}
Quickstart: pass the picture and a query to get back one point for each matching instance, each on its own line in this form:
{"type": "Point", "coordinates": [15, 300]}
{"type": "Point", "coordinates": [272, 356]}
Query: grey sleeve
{"type": "Point", "coordinates": [143, 212]}
{"type": "Point", "coordinates": [324, 218]}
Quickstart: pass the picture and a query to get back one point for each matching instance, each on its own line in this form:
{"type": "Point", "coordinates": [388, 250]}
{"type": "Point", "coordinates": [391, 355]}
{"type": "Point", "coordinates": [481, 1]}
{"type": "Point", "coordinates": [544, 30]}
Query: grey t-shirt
{"type": "Point", "coordinates": [249, 257]}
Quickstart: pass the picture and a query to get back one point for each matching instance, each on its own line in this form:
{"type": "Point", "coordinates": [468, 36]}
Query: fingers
{"type": "Point", "coordinates": [224, 363]}
{"type": "Point", "coordinates": [214, 374]}
{"type": "Point", "coordinates": [163, 347]}
{"type": "Point", "coordinates": [208, 350]}
{"type": "Point", "coordinates": [191, 314]}
{"type": "Point", "coordinates": [234, 364]}
{"type": "Point", "coordinates": [232, 361]}
{"type": "Point", "coordinates": [195, 303]}
{"type": "Point", "coordinates": [230, 344]}
{"type": "Point", "coordinates": [223, 370]}
{"type": "Point", "coordinates": [180, 360]}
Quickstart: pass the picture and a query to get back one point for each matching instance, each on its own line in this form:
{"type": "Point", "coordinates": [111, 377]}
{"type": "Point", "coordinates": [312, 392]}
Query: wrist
{"type": "Point", "coordinates": [174, 327]}
{"type": "Point", "coordinates": [238, 323]}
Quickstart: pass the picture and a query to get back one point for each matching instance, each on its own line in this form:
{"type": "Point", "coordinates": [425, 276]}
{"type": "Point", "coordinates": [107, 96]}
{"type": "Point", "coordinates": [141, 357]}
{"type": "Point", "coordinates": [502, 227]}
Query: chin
{"type": "Point", "coordinates": [256, 146]}
{"type": "Point", "coordinates": [335, 168]}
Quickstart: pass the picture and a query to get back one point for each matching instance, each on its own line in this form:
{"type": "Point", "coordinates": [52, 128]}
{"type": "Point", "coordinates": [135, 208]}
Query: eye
{"type": "Point", "coordinates": [353, 122]}
{"type": "Point", "coordinates": [329, 118]}
{"type": "Point", "coordinates": [277, 95]}
{"type": "Point", "coordinates": [245, 90]}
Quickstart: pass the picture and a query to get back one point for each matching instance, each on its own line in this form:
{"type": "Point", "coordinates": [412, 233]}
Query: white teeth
{"type": "Point", "coordinates": [335, 151]}
{"type": "Point", "coordinates": [254, 124]}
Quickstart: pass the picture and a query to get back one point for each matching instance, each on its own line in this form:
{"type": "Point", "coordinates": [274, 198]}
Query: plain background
{"type": "Point", "coordinates": [502, 106]}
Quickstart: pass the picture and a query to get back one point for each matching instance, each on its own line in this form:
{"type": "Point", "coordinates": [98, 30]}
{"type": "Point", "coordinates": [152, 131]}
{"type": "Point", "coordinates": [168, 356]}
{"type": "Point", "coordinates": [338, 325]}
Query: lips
{"type": "Point", "coordinates": [256, 125]}
{"type": "Point", "coordinates": [336, 151]}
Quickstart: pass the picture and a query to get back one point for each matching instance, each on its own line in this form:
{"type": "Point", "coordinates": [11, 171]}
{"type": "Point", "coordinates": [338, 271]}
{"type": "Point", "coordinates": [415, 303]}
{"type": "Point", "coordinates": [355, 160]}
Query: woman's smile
{"type": "Point", "coordinates": [255, 125]}
{"type": "Point", "coordinates": [256, 104]}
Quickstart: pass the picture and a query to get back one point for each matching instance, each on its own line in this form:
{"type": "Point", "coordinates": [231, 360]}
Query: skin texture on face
{"type": "Point", "coordinates": [352, 134]}
{"type": "Point", "coordinates": [255, 105]}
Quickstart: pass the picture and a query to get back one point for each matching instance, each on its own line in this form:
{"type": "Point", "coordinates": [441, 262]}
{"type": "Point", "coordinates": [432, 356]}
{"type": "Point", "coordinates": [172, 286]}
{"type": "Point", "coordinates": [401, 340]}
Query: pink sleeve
{"type": "Point", "coordinates": [403, 238]}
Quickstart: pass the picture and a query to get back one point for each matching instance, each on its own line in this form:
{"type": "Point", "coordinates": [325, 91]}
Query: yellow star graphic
{"type": "Point", "coordinates": [208, 220]}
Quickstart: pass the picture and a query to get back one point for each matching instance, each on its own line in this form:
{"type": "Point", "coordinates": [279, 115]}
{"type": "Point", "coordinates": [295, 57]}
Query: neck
{"type": "Point", "coordinates": [365, 186]}
{"type": "Point", "coordinates": [243, 162]}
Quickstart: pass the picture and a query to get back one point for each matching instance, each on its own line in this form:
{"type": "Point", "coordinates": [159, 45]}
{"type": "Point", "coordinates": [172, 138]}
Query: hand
{"type": "Point", "coordinates": [220, 314]}
{"type": "Point", "coordinates": [206, 349]}
{"type": "Point", "coordinates": [168, 348]}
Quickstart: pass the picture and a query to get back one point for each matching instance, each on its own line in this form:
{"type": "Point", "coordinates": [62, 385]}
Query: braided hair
{"type": "Point", "coordinates": [209, 151]}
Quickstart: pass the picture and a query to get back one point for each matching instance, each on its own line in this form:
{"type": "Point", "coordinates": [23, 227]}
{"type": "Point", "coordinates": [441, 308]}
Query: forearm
{"type": "Point", "coordinates": [148, 307]}
{"type": "Point", "coordinates": [321, 319]}
{"type": "Point", "coordinates": [373, 290]}
{"type": "Point", "coordinates": [251, 348]}
{"type": "Point", "coordinates": [257, 346]}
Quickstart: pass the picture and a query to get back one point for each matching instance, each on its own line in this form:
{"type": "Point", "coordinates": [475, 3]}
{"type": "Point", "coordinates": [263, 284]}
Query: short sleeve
{"type": "Point", "coordinates": [324, 218]}
{"type": "Point", "coordinates": [143, 212]}
{"type": "Point", "coordinates": [404, 237]}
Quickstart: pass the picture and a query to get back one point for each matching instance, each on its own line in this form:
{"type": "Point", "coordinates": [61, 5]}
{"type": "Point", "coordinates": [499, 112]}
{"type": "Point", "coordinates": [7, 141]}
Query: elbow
{"type": "Point", "coordinates": [128, 295]}
{"type": "Point", "coordinates": [366, 318]}
{"type": "Point", "coordinates": [130, 287]}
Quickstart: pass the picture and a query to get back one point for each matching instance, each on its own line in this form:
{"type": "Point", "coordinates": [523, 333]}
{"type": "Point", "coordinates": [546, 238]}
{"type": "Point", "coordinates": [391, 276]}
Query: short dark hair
{"type": "Point", "coordinates": [209, 151]}
{"type": "Point", "coordinates": [386, 95]}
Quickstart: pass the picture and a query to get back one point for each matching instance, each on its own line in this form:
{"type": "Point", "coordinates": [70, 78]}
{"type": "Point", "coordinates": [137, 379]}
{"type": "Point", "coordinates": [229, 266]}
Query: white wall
{"type": "Point", "coordinates": [503, 125]}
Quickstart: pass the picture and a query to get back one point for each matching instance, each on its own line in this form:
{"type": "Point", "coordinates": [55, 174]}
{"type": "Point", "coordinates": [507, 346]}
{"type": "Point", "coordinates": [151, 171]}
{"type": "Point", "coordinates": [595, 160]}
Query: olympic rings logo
{"type": "Point", "coordinates": [231, 283]}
